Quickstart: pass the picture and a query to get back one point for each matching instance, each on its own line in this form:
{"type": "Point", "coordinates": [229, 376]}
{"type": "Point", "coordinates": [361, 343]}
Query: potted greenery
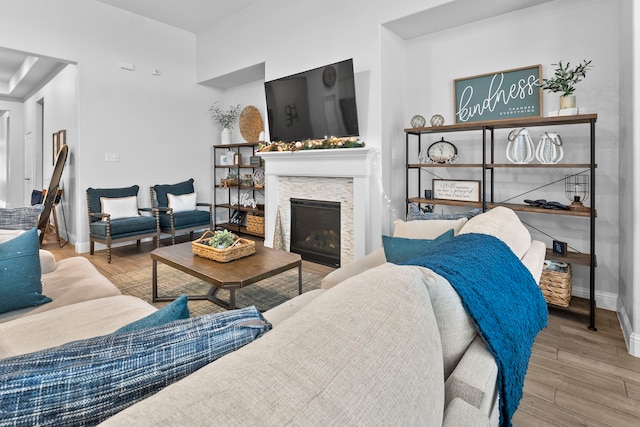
{"type": "Point", "coordinates": [225, 119]}
{"type": "Point", "coordinates": [564, 81]}
{"type": "Point", "coordinates": [222, 239]}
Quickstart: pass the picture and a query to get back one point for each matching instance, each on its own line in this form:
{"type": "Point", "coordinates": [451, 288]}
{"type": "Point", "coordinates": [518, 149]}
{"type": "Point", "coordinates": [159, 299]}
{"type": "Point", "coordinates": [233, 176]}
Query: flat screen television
{"type": "Point", "coordinates": [314, 104]}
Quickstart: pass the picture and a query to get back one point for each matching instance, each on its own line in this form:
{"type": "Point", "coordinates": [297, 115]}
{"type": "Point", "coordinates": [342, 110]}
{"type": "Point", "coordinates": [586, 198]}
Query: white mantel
{"type": "Point", "coordinates": [352, 163]}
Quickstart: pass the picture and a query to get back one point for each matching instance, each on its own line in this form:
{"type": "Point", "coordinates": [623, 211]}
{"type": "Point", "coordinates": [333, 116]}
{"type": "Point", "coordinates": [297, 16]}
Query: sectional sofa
{"type": "Point", "coordinates": [378, 344]}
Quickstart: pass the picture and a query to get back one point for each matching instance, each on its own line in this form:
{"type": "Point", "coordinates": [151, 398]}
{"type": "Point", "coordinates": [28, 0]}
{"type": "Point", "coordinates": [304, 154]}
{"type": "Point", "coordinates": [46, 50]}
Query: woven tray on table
{"type": "Point", "coordinates": [556, 286]}
{"type": "Point", "coordinates": [241, 248]}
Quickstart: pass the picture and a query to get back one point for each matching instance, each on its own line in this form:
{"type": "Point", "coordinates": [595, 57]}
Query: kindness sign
{"type": "Point", "coordinates": [509, 94]}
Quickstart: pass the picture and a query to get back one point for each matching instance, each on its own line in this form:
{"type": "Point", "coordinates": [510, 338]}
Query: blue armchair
{"type": "Point", "coordinates": [114, 216]}
{"type": "Point", "coordinates": [178, 211]}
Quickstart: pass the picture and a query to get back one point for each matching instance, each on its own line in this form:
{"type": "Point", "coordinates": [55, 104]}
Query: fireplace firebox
{"type": "Point", "coordinates": [315, 231]}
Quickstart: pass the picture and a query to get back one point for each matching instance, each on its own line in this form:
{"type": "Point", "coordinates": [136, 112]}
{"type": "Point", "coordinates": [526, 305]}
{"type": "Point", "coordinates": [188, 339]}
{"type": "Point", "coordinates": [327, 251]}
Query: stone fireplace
{"type": "Point", "coordinates": [340, 175]}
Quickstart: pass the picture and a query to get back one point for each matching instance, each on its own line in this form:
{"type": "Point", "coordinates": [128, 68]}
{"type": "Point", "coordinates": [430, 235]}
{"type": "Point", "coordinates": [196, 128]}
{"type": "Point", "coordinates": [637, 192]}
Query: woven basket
{"type": "Point", "coordinates": [556, 286]}
{"type": "Point", "coordinates": [241, 248]}
{"type": "Point", "coordinates": [255, 224]}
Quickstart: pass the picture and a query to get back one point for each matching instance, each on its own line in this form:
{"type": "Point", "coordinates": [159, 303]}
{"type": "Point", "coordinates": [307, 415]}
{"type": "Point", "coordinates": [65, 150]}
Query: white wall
{"type": "Point", "coordinates": [515, 40]}
{"type": "Point", "coordinates": [13, 190]}
{"type": "Point", "coordinates": [159, 126]}
{"type": "Point", "coordinates": [4, 155]}
{"type": "Point", "coordinates": [60, 112]}
{"type": "Point", "coordinates": [629, 237]}
{"type": "Point", "coordinates": [290, 37]}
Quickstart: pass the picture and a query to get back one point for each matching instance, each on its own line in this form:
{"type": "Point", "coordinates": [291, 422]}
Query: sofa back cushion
{"type": "Point", "coordinates": [504, 224]}
{"type": "Point", "coordinates": [365, 352]}
{"type": "Point", "coordinates": [429, 229]}
{"type": "Point", "coordinates": [457, 330]}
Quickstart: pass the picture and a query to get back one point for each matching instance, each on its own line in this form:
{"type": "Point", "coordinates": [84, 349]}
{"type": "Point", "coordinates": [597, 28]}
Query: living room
{"type": "Point", "coordinates": [406, 57]}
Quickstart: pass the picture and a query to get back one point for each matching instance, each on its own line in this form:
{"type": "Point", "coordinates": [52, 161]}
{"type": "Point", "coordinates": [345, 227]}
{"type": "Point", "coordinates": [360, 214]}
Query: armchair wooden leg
{"type": "Point", "coordinates": [109, 254]}
{"type": "Point", "coordinates": [91, 247]}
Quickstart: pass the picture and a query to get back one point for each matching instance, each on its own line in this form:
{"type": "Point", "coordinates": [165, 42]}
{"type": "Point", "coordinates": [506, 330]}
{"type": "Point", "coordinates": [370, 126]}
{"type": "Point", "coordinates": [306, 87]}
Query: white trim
{"type": "Point", "coordinates": [604, 300]}
{"type": "Point", "coordinates": [631, 338]}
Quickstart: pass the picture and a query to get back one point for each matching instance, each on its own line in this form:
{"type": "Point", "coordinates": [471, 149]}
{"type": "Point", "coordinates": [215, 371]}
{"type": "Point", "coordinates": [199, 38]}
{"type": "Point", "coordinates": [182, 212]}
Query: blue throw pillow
{"type": "Point", "coordinates": [177, 310]}
{"type": "Point", "coordinates": [20, 284]}
{"type": "Point", "coordinates": [398, 249]}
{"type": "Point", "coordinates": [85, 382]}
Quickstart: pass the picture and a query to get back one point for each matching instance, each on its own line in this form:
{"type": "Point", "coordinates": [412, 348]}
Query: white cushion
{"type": "Point", "coordinates": [427, 229]}
{"type": "Point", "coordinates": [182, 202]}
{"type": "Point", "coordinates": [120, 207]}
{"type": "Point", "coordinates": [457, 330]}
{"type": "Point", "coordinates": [504, 224]}
{"type": "Point", "coordinates": [6, 235]}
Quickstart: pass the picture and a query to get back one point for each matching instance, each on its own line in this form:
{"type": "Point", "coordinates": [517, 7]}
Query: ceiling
{"type": "Point", "coordinates": [22, 74]}
{"type": "Point", "coordinates": [190, 15]}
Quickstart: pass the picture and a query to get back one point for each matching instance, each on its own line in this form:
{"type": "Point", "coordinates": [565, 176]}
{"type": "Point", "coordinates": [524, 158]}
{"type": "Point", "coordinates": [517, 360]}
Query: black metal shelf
{"type": "Point", "coordinates": [487, 168]}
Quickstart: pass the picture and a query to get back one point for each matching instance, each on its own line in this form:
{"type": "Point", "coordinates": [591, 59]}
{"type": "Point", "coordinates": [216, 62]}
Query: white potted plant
{"type": "Point", "coordinates": [225, 119]}
{"type": "Point", "coordinates": [564, 81]}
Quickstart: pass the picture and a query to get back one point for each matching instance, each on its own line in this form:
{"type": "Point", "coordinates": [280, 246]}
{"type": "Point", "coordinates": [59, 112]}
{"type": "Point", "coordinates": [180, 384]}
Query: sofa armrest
{"type": "Point", "coordinates": [358, 266]}
{"type": "Point", "coordinates": [47, 261]}
{"type": "Point", "coordinates": [533, 259]}
{"type": "Point", "coordinates": [474, 378]}
{"type": "Point", "coordinates": [460, 414]}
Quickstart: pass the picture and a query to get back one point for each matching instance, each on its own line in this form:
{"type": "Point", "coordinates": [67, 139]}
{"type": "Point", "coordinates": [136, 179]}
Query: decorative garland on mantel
{"type": "Point", "coordinates": [311, 144]}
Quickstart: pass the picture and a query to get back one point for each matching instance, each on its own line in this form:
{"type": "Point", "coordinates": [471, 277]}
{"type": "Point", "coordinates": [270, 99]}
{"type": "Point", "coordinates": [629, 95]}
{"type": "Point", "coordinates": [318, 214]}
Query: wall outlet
{"type": "Point", "coordinates": [111, 157]}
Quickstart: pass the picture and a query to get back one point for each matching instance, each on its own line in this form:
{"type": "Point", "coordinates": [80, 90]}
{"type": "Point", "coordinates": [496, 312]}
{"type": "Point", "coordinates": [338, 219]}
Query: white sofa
{"type": "Point", "coordinates": [379, 344]}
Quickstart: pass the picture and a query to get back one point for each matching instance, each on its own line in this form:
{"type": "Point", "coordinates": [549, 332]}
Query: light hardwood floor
{"type": "Point", "coordinates": [576, 377]}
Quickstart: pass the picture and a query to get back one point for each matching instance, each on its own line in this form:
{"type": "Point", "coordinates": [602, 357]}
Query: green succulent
{"type": "Point", "coordinates": [565, 78]}
{"type": "Point", "coordinates": [222, 239]}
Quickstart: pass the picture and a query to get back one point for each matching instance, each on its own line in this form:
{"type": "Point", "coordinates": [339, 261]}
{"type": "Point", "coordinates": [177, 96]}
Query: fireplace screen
{"type": "Point", "coordinates": [315, 231]}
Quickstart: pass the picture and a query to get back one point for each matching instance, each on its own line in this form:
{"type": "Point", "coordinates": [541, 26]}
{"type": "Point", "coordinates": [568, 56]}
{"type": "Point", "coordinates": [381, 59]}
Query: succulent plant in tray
{"type": "Point", "coordinates": [222, 239]}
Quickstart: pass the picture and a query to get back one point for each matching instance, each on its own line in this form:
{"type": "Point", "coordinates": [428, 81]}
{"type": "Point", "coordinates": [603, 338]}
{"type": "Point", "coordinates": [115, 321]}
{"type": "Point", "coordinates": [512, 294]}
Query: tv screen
{"type": "Point", "coordinates": [314, 104]}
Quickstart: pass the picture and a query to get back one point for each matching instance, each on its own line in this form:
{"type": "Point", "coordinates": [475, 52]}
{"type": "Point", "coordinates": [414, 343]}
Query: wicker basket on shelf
{"type": "Point", "coordinates": [556, 286]}
{"type": "Point", "coordinates": [240, 248]}
{"type": "Point", "coordinates": [255, 224]}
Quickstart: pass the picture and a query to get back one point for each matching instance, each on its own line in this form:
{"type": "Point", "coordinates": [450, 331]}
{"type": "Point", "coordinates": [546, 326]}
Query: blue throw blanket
{"type": "Point", "coordinates": [502, 298]}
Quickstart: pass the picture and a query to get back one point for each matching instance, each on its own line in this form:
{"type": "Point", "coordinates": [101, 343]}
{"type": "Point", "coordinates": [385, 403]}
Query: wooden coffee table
{"type": "Point", "coordinates": [266, 262]}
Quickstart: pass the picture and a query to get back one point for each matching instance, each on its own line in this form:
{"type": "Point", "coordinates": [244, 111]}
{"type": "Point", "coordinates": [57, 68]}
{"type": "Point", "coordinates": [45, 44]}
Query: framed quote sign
{"type": "Point", "coordinates": [454, 189]}
{"type": "Point", "coordinates": [508, 94]}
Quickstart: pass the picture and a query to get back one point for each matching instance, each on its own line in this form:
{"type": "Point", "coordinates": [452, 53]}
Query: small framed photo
{"type": "Point", "coordinates": [62, 137]}
{"type": "Point", "coordinates": [255, 161]}
{"type": "Point", "coordinates": [559, 247]}
{"type": "Point", "coordinates": [55, 148]}
{"type": "Point", "coordinates": [455, 189]}
{"type": "Point", "coordinates": [224, 160]}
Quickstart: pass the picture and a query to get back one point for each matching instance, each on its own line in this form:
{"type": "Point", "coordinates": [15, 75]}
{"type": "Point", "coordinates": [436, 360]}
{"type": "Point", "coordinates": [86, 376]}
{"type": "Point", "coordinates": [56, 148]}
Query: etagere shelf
{"type": "Point", "coordinates": [223, 193]}
{"type": "Point", "coordinates": [487, 169]}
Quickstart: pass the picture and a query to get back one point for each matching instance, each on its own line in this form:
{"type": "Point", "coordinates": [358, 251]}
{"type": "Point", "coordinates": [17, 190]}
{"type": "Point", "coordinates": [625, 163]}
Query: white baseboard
{"type": "Point", "coordinates": [604, 300]}
{"type": "Point", "coordinates": [631, 338]}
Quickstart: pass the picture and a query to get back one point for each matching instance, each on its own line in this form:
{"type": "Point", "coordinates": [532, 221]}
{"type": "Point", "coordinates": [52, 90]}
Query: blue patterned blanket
{"type": "Point", "coordinates": [502, 298]}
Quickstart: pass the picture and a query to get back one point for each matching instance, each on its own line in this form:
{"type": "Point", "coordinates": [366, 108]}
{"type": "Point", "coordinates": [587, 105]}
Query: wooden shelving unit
{"type": "Point", "coordinates": [488, 168]}
{"type": "Point", "coordinates": [223, 194]}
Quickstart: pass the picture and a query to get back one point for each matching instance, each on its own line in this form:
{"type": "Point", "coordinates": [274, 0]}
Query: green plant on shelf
{"type": "Point", "coordinates": [565, 79]}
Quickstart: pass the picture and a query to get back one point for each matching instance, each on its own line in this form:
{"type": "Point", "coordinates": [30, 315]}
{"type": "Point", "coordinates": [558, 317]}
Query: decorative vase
{"type": "Point", "coordinates": [225, 136]}
{"type": "Point", "coordinates": [549, 150]}
{"type": "Point", "coordinates": [567, 101]}
{"type": "Point", "coordinates": [520, 148]}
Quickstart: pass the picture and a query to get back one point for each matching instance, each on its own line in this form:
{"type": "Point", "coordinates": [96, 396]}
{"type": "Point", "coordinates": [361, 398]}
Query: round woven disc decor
{"type": "Point", "coordinates": [251, 123]}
